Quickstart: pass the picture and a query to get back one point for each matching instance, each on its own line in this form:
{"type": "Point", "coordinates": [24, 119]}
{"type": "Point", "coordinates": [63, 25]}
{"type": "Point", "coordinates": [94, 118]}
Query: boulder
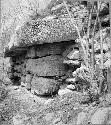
{"type": "Point", "coordinates": [46, 66]}
{"type": "Point", "coordinates": [43, 86]}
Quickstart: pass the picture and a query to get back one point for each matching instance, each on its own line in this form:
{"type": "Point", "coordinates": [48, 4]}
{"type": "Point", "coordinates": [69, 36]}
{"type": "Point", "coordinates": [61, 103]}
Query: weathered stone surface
{"type": "Point", "coordinates": [28, 80]}
{"type": "Point", "coordinates": [81, 118]}
{"type": "Point", "coordinates": [19, 59]}
{"type": "Point", "coordinates": [44, 86]}
{"type": "Point", "coordinates": [31, 53]}
{"type": "Point", "coordinates": [20, 69]}
{"type": "Point", "coordinates": [74, 54]}
{"type": "Point", "coordinates": [49, 49]}
{"type": "Point", "coordinates": [69, 48]}
{"type": "Point", "coordinates": [100, 116]}
{"type": "Point", "coordinates": [46, 66]}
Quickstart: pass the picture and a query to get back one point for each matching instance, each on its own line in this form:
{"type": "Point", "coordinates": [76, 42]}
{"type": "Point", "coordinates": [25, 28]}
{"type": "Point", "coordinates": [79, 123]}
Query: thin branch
{"type": "Point", "coordinates": [80, 38]}
{"type": "Point", "coordinates": [110, 30]}
{"type": "Point", "coordinates": [101, 48]}
{"type": "Point", "coordinates": [88, 32]}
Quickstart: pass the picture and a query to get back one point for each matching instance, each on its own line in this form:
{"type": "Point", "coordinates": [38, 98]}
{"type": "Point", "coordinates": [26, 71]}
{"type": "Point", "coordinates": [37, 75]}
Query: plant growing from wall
{"type": "Point", "coordinates": [88, 69]}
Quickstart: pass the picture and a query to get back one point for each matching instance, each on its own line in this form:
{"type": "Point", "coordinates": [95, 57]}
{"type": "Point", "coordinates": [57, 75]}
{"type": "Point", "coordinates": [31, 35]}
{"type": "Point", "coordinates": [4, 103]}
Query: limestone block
{"type": "Point", "coordinates": [46, 66]}
{"type": "Point", "coordinates": [44, 86]}
{"type": "Point", "coordinates": [49, 49]}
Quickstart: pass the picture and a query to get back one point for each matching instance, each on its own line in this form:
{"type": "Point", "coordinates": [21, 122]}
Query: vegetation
{"type": "Point", "coordinates": [88, 42]}
{"type": "Point", "coordinates": [92, 78]}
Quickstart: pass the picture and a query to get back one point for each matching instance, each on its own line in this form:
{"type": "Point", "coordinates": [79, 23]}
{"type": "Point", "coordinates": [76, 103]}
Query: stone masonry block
{"type": "Point", "coordinates": [49, 49]}
{"type": "Point", "coordinates": [46, 66]}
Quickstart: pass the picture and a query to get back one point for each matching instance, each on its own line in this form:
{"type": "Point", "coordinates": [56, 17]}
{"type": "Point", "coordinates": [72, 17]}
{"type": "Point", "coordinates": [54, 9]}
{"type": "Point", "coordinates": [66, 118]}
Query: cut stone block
{"type": "Point", "coordinates": [49, 49]}
{"type": "Point", "coordinates": [44, 86]}
{"type": "Point", "coordinates": [46, 66]}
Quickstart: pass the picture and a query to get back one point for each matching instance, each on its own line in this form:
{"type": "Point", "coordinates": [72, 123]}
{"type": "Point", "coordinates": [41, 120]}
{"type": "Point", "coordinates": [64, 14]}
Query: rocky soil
{"type": "Point", "coordinates": [21, 107]}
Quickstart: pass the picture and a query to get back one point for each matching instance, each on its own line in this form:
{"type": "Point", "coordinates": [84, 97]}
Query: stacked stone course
{"type": "Point", "coordinates": [41, 67]}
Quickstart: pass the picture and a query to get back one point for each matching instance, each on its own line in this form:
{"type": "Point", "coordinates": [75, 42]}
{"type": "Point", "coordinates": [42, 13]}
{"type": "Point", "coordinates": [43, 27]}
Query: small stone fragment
{"type": "Point", "coordinates": [63, 91]}
{"type": "Point", "coordinates": [71, 87]}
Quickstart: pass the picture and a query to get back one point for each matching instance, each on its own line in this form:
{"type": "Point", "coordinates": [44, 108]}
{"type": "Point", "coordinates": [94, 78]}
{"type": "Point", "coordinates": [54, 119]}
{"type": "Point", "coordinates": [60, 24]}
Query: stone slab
{"type": "Point", "coordinates": [46, 66]}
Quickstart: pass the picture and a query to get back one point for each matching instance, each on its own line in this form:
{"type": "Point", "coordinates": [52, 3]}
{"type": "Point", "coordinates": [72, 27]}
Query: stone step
{"type": "Point", "coordinates": [46, 66]}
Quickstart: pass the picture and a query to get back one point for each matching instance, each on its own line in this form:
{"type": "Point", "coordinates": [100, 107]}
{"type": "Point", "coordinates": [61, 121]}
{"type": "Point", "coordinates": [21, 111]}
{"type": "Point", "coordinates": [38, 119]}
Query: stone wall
{"type": "Point", "coordinates": [41, 68]}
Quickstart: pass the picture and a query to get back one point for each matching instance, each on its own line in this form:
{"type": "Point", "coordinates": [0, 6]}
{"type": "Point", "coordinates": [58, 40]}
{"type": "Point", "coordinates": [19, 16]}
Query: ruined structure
{"type": "Point", "coordinates": [38, 49]}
